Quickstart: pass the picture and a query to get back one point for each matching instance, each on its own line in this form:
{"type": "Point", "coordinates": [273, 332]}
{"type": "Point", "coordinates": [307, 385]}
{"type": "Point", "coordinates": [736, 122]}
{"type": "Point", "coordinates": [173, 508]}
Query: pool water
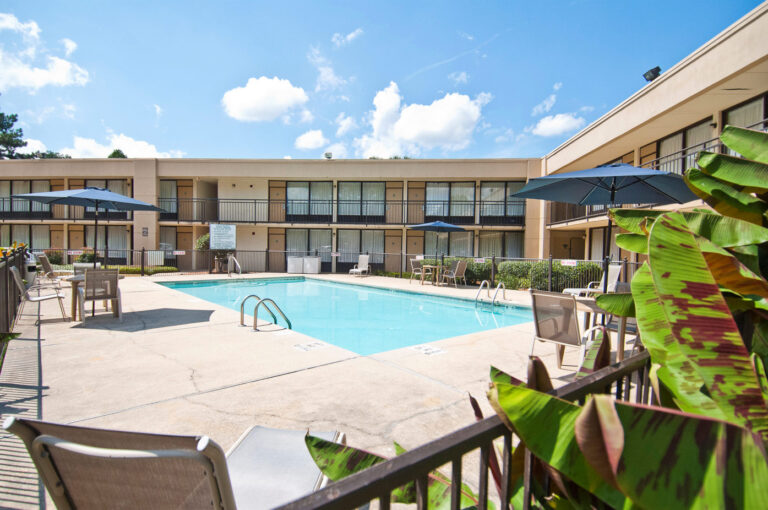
{"type": "Point", "coordinates": [362, 319]}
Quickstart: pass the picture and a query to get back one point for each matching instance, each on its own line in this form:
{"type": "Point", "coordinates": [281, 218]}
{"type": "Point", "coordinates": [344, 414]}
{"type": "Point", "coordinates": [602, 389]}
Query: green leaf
{"type": "Point", "coordinates": [545, 424]}
{"type": "Point", "coordinates": [598, 354]}
{"type": "Point", "coordinates": [632, 220]}
{"type": "Point", "coordinates": [636, 243]}
{"type": "Point", "coordinates": [501, 376]}
{"type": "Point", "coordinates": [742, 173]}
{"type": "Point", "coordinates": [725, 230]}
{"type": "Point", "coordinates": [691, 461]}
{"type": "Point", "coordinates": [671, 367]}
{"type": "Point", "coordinates": [538, 376]}
{"type": "Point", "coordinates": [724, 198]}
{"type": "Point", "coordinates": [731, 274]}
{"type": "Point", "coordinates": [619, 304]}
{"type": "Point", "coordinates": [701, 323]}
{"type": "Point", "coordinates": [750, 143]}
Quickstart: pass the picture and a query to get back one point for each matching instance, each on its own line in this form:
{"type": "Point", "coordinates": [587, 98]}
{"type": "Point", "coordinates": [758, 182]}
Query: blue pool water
{"type": "Point", "coordinates": [362, 319]}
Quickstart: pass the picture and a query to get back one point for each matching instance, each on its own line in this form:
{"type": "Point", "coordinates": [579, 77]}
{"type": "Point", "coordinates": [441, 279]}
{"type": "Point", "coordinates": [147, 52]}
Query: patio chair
{"type": "Point", "coordinates": [26, 296]}
{"type": "Point", "coordinates": [48, 273]}
{"type": "Point", "coordinates": [361, 266]}
{"type": "Point", "coordinates": [100, 285]}
{"type": "Point", "coordinates": [555, 320]}
{"type": "Point", "coordinates": [80, 267]}
{"type": "Point", "coordinates": [456, 273]}
{"type": "Point", "coordinates": [614, 271]}
{"type": "Point", "coordinates": [417, 270]}
{"type": "Point", "coordinates": [98, 468]}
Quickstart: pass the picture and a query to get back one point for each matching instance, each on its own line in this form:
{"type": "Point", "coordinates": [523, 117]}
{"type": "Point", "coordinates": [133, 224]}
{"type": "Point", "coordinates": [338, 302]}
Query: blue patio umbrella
{"type": "Point", "coordinates": [437, 226]}
{"type": "Point", "coordinates": [98, 198]}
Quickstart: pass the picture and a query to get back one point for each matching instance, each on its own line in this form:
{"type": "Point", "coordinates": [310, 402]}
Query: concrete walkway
{"type": "Point", "coordinates": [178, 364]}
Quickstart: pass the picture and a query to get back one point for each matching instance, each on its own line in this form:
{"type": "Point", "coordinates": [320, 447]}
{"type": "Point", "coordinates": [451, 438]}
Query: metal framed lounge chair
{"type": "Point", "coordinates": [614, 271]}
{"type": "Point", "coordinates": [555, 320]}
{"type": "Point", "coordinates": [417, 270]}
{"type": "Point", "coordinates": [456, 273]}
{"type": "Point", "coordinates": [101, 285]}
{"type": "Point", "coordinates": [361, 266]}
{"type": "Point", "coordinates": [98, 468]}
{"type": "Point", "coordinates": [27, 296]}
{"type": "Point", "coordinates": [48, 273]}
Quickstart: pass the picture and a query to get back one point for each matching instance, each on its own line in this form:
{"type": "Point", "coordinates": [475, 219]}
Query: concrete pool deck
{"type": "Point", "coordinates": [181, 365]}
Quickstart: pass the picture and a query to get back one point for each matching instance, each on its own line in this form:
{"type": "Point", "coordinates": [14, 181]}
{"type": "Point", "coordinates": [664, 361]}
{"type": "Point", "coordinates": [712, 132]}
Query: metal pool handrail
{"type": "Point", "coordinates": [504, 293]}
{"type": "Point", "coordinates": [264, 302]}
{"type": "Point", "coordinates": [242, 309]}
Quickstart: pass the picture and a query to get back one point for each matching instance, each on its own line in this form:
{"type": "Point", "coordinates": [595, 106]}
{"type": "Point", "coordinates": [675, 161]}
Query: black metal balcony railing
{"type": "Point", "coordinates": [372, 212]}
{"type": "Point", "coordinates": [17, 209]}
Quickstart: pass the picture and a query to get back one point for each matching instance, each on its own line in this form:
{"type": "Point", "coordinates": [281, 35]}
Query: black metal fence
{"type": "Point", "coordinates": [11, 294]}
{"type": "Point", "coordinates": [627, 380]}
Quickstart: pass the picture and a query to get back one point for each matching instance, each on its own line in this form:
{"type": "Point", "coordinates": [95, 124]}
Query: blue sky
{"type": "Point", "coordinates": [431, 79]}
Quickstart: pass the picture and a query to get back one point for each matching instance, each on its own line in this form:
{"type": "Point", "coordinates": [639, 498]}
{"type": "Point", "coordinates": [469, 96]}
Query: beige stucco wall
{"type": "Point", "coordinates": [243, 188]}
{"type": "Point", "coordinates": [251, 237]}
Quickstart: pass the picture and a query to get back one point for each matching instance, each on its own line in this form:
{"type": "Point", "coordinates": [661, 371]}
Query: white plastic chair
{"type": "Point", "coordinates": [361, 266]}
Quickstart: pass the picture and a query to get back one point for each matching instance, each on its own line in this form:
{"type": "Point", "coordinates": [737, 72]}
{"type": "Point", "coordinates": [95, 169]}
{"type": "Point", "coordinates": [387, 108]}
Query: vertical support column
{"type": "Point", "coordinates": [334, 236]}
{"type": "Point", "coordinates": [146, 190]}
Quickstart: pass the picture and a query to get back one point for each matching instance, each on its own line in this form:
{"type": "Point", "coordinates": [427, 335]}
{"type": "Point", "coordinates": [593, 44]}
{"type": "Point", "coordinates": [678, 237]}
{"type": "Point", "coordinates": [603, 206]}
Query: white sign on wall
{"type": "Point", "coordinates": [223, 237]}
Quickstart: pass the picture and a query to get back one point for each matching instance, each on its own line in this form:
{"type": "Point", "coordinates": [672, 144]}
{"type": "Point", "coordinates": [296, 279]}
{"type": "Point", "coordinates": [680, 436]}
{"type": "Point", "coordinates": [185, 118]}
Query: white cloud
{"type": "Point", "coordinates": [306, 116]}
{"type": "Point", "coordinates": [458, 77]}
{"type": "Point", "coordinates": [287, 157]}
{"type": "Point", "coordinates": [68, 110]}
{"type": "Point", "coordinates": [466, 36]}
{"type": "Point", "coordinates": [339, 151]}
{"type": "Point", "coordinates": [32, 146]}
{"type": "Point", "coordinates": [586, 109]}
{"type": "Point", "coordinates": [312, 139]}
{"type": "Point", "coordinates": [545, 105]}
{"type": "Point", "coordinates": [345, 123]}
{"type": "Point", "coordinates": [341, 40]}
{"type": "Point", "coordinates": [69, 46]}
{"type": "Point", "coordinates": [553, 125]}
{"type": "Point", "coordinates": [505, 137]}
{"type": "Point", "coordinates": [20, 66]}
{"type": "Point", "coordinates": [263, 99]}
{"type": "Point", "coordinates": [90, 148]}
{"type": "Point", "coordinates": [327, 79]}
{"type": "Point", "coordinates": [557, 86]}
{"type": "Point", "coordinates": [158, 110]}
{"type": "Point", "coordinates": [447, 123]}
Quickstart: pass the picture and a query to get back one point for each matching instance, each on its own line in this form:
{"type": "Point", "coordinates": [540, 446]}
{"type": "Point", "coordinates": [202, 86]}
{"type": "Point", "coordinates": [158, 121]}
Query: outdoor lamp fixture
{"type": "Point", "coordinates": [652, 74]}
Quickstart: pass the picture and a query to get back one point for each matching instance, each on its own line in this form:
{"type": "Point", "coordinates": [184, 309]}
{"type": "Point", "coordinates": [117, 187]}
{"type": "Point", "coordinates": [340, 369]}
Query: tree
{"type": "Point", "coordinates": [117, 153]}
{"type": "Point", "coordinates": [43, 155]}
{"type": "Point", "coordinates": [10, 139]}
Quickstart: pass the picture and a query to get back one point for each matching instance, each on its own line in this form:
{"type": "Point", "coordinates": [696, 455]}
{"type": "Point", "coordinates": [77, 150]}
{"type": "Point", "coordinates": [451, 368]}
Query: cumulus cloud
{"type": "Point", "coordinates": [306, 117]}
{"type": "Point", "coordinates": [466, 36]}
{"type": "Point", "coordinates": [547, 103]}
{"type": "Point", "coordinates": [586, 109]}
{"type": "Point", "coordinates": [341, 40]}
{"type": "Point", "coordinates": [158, 110]}
{"type": "Point", "coordinates": [32, 146]}
{"type": "Point", "coordinates": [327, 79]}
{"type": "Point", "coordinates": [68, 110]}
{"type": "Point", "coordinates": [312, 139]}
{"type": "Point", "coordinates": [346, 123]}
{"type": "Point", "coordinates": [22, 69]}
{"type": "Point", "coordinates": [458, 77]}
{"type": "Point", "coordinates": [446, 123]}
{"type": "Point", "coordinates": [69, 46]}
{"type": "Point", "coordinates": [90, 148]}
{"type": "Point", "coordinates": [554, 125]}
{"type": "Point", "coordinates": [506, 136]}
{"type": "Point", "coordinates": [263, 99]}
{"type": "Point", "coordinates": [338, 150]}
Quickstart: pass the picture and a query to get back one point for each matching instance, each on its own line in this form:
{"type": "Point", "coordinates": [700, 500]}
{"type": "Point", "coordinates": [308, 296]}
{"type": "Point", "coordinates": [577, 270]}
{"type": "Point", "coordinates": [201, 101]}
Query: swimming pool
{"type": "Point", "coordinates": [362, 319]}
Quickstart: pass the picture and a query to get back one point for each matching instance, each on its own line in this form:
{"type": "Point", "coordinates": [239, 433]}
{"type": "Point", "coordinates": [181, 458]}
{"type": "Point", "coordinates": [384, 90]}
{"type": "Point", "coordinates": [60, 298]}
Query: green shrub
{"type": "Point", "coordinates": [85, 257]}
{"type": "Point", "coordinates": [477, 271]}
{"type": "Point", "coordinates": [147, 270]}
{"type": "Point", "coordinates": [54, 257]}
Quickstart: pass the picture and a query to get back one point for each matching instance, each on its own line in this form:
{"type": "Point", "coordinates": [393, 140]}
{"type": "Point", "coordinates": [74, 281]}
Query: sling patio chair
{"type": "Point", "coordinates": [614, 271]}
{"type": "Point", "coordinates": [100, 285]}
{"type": "Point", "coordinates": [361, 266]}
{"type": "Point", "coordinates": [48, 273]}
{"type": "Point", "coordinates": [418, 270]}
{"type": "Point", "coordinates": [85, 467]}
{"type": "Point", "coordinates": [456, 273]}
{"type": "Point", "coordinates": [27, 296]}
{"type": "Point", "coordinates": [555, 320]}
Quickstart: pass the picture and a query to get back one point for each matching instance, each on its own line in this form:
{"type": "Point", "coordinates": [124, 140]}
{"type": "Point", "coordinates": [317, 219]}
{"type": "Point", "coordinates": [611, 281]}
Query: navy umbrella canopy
{"type": "Point", "coordinates": [614, 184]}
{"type": "Point", "coordinates": [437, 226]}
{"type": "Point", "coordinates": [98, 198]}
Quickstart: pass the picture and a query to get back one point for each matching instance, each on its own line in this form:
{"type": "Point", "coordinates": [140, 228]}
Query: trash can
{"type": "Point", "coordinates": [295, 265]}
{"type": "Point", "coordinates": [30, 267]}
{"type": "Point", "coordinates": [312, 265]}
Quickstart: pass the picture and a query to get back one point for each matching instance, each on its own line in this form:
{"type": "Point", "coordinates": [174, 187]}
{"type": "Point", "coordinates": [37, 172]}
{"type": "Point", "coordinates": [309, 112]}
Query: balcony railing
{"type": "Point", "coordinates": [19, 209]}
{"type": "Point", "coordinates": [370, 212]}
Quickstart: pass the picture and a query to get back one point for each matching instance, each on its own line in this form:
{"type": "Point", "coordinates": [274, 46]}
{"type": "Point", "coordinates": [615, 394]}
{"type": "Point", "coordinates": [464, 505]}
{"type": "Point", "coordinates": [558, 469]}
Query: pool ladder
{"type": "Point", "coordinates": [487, 285]}
{"type": "Point", "coordinates": [262, 302]}
{"type": "Point", "coordinates": [233, 265]}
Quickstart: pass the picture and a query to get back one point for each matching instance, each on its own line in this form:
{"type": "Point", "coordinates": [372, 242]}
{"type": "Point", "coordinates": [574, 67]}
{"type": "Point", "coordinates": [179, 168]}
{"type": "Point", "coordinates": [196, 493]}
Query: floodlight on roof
{"type": "Point", "coordinates": [652, 74]}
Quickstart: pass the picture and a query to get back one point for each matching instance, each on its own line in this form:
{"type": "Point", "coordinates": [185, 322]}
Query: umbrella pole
{"type": "Point", "coordinates": [95, 249]}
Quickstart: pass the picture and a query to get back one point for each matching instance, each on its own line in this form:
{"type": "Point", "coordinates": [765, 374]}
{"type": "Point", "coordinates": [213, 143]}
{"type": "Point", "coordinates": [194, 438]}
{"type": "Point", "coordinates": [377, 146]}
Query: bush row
{"type": "Point", "coordinates": [147, 270]}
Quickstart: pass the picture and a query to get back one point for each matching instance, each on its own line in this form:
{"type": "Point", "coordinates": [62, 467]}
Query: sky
{"type": "Point", "coordinates": [359, 79]}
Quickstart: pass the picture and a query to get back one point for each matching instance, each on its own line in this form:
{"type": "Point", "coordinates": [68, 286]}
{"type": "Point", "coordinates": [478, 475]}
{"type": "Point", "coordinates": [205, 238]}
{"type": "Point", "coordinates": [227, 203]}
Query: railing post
{"type": "Point", "coordinates": [625, 268]}
{"type": "Point", "coordinates": [493, 270]}
{"type": "Point", "coordinates": [549, 275]}
{"type": "Point", "coordinates": [143, 254]}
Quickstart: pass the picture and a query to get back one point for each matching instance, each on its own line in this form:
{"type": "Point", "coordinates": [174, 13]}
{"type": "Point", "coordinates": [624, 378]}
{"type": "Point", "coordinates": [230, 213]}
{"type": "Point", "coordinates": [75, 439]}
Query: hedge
{"type": "Point", "coordinates": [147, 270]}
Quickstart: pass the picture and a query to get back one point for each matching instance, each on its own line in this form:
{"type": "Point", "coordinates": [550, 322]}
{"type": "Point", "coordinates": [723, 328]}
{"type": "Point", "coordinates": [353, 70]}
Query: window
{"type": "Point", "coordinates": [302, 241]}
{"type": "Point", "coordinates": [678, 152]}
{"type": "Point", "coordinates": [372, 242]}
{"type": "Point", "coordinates": [167, 240]}
{"type": "Point", "coordinates": [454, 244]}
{"type": "Point", "coordinates": [37, 237]}
{"type": "Point", "coordinates": [352, 243]}
{"type": "Point", "coordinates": [19, 204]}
{"type": "Point", "coordinates": [309, 198]}
{"type": "Point", "coordinates": [361, 199]}
{"type": "Point", "coordinates": [498, 206]}
{"type": "Point", "coordinates": [453, 199]}
{"type": "Point", "coordinates": [348, 245]}
{"type": "Point", "coordinates": [5, 236]}
{"type": "Point", "coordinates": [748, 115]}
{"type": "Point", "coordinates": [167, 197]}
{"type": "Point", "coordinates": [20, 234]}
{"type": "Point", "coordinates": [41, 237]}
{"type": "Point", "coordinates": [500, 244]}
{"type": "Point", "coordinates": [5, 196]}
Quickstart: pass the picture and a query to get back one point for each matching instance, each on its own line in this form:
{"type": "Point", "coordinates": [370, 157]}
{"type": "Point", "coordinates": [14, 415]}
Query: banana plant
{"type": "Point", "coordinates": [701, 303]}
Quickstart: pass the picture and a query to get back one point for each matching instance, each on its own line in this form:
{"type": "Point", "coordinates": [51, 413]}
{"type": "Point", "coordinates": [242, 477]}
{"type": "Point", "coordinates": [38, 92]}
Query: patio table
{"type": "Point", "coordinates": [75, 281]}
{"type": "Point", "coordinates": [435, 273]}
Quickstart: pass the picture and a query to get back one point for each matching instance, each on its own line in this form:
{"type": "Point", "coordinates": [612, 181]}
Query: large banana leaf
{"type": "Point", "coordinates": [598, 354]}
{"type": "Point", "coordinates": [698, 318]}
{"type": "Point", "coordinates": [546, 426]}
{"type": "Point", "coordinates": [338, 461]}
{"type": "Point", "coordinates": [671, 367]}
{"type": "Point", "coordinates": [617, 303]}
{"type": "Point", "coordinates": [737, 171]}
{"type": "Point", "coordinates": [724, 198]}
{"type": "Point", "coordinates": [694, 461]}
{"type": "Point", "coordinates": [637, 243]}
{"type": "Point", "coordinates": [749, 143]}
